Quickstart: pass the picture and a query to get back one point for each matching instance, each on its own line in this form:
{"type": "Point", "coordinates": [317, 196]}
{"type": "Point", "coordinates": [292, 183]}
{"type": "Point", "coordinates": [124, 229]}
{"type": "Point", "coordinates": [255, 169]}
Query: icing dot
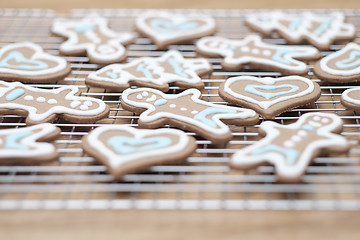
{"type": "Point", "coordinates": [84, 107]}
{"type": "Point", "coordinates": [40, 99]}
{"type": "Point", "coordinates": [255, 51]}
{"type": "Point", "coordinates": [289, 144]}
{"type": "Point", "coordinates": [88, 103]}
{"type": "Point", "coordinates": [296, 138]}
{"type": "Point", "coordinates": [194, 112]}
{"type": "Point", "coordinates": [267, 52]}
{"type": "Point", "coordinates": [28, 98]}
{"type": "Point", "coordinates": [183, 109]}
{"type": "Point", "coordinates": [139, 96]}
{"type": "Point", "coordinates": [75, 103]}
{"type": "Point", "coordinates": [172, 105]}
{"type": "Point", "coordinates": [316, 118]}
{"type": "Point", "coordinates": [52, 101]}
{"type": "Point", "coordinates": [145, 94]}
{"type": "Point", "coordinates": [324, 120]}
{"type": "Point", "coordinates": [302, 133]}
{"type": "Point", "coordinates": [245, 49]}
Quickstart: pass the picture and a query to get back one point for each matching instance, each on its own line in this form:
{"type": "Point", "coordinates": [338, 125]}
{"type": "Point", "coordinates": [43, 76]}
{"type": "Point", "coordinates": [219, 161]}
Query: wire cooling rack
{"type": "Point", "coordinates": [204, 181]}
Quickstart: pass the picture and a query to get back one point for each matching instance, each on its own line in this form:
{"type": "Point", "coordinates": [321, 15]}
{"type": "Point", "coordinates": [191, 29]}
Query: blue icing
{"type": "Point", "coordinates": [351, 62]}
{"type": "Point", "coordinates": [269, 95]}
{"type": "Point", "coordinates": [111, 75]}
{"type": "Point", "coordinates": [202, 116]}
{"type": "Point", "coordinates": [294, 25]}
{"type": "Point", "coordinates": [141, 68]}
{"type": "Point", "coordinates": [11, 140]}
{"type": "Point", "coordinates": [307, 127]}
{"type": "Point", "coordinates": [15, 94]}
{"type": "Point", "coordinates": [128, 145]}
{"type": "Point", "coordinates": [178, 70]}
{"type": "Point", "coordinates": [290, 154]}
{"type": "Point", "coordinates": [27, 64]}
{"type": "Point", "coordinates": [323, 27]}
{"type": "Point", "coordinates": [265, 20]}
{"type": "Point", "coordinates": [85, 28]}
{"type": "Point", "coordinates": [160, 102]}
{"type": "Point", "coordinates": [279, 56]}
{"type": "Point", "coordinates": [165, 27]}
{"type": "Point", "coordinates": [233, 47]}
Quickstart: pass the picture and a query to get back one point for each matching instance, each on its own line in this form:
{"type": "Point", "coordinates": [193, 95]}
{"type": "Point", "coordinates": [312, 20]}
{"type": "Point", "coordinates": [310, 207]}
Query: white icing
{"type": "Point", "coordinates": [148, 116]}
{"type": "Point", "coordinates": [229, 59]}
{"type": "Point", "coordinates": [33, 114]}
{"type": "Point", "coordinates": [342, 72]}
{"type": "Point", "coordinates": [151, 99]}
{"type": "Point", "coordinates": [191, 66]}
{"type": "Point", "coordinates": [39, 54]}
{"type": "Point", "coordinates": [65, 27]}
{"type": "Point", "coordinates": [40, 99]}
{"type": "Point", "coordinates": [35, 149]}
{"type": "Point", "coordinates": [183, 109]}
{"type": "Point", "coordinates": [194, 112]}
{"type": "Point", "coordinates": [172, 105]}
{"type": "Point", "coordinates": [84, 107]}
{"type": "Point", "coordinates": [244, 158]}
{"type": "Point", "coordinates": [345, 96]}
{"type": "Point", "coordinates": [75, 103]}
{"type": "Point", "coordinates": [336, 29]}
{"type": "Point", "coordinates": [28, 98]}
{"type": "Point", "coordinates": [52, 101]}
{"type": "Point", "coordinates": [116, 160]}
{"type": "Point", "coordinates": [140, 23]}
{"type": "Point", "coordinates": [268, 81]}
{"type": "Point", "coordinates": [139, 96]}
{"type": "Point", "coordinates": [88, 103]}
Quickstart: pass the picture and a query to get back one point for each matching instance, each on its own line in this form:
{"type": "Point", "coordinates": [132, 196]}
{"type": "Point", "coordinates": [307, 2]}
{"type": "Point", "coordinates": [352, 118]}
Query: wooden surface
{"type": "Point", "coordinates": [65, 5]}
{"type": "Point", "coordinates": [173, 225]}
{"type": "Point", "coordinates": [178, 224]}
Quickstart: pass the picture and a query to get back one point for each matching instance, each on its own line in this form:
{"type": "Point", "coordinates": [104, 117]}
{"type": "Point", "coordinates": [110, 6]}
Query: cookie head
{"type": "Point", "coordinates": [320, 122]}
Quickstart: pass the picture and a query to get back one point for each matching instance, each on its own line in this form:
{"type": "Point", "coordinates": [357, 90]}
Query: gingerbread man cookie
{"type": "Point", "coordinates": [350, 98]}
{"type": "Point", "coordinates": [319, 30]}
{"type": "Point", "coordinates": [40, 105]}
{"type": "Point", "coordinates": [186, 111]}
{"type": "Point", "coordinates": [254, 52]}
{"type": "Point", "coordinates": [155, 72]}
{"type": "Point", "coordinates": [125, 149]}
{"type": "Point", "coordinates": [26, 145]}
{"type": "Point", "coordinates": [291, 148]}
{"type": "Point", "coordinates": [340, 67]}
{"type": "Point", "coordinates": [269, 96]}
{"type": "Point", "coordinates": [166, 28]}
{"type": "Point", "coordinates": [27, 62]}
{"type": "Point", "coordinates": [93, 37]}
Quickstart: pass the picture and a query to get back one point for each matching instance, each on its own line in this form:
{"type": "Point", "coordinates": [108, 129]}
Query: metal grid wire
{"type": "Point", "coordinates": [204, 181]}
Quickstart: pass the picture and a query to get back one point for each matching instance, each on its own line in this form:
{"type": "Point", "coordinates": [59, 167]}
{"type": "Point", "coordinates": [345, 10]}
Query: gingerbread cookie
{"type": "Point", "coordinates": [165, 28]}
{"type": "Point", "coordinates": [269, 96]}
{"type": "Point", "coordinates": [27, 62]}
{"type": "Point", "coordinates": [254, 52]}
{"type": "Point", "coordinates": [26, 145]}
{"type": "Point", "coordinates": [42, 105]}
{"type": "Point", "coordinates": [340, 67]}
{"type": "Point", "coordinates": [350, 98]}
{"type": "Point", "coordinates": [93, 37]}
{"type": "Point", "coordinates": [186, 111]}
{"type": "Point", "coordinates": [155, 72]}
{"type": "Point", "coordinates": [320, 31]}
{"type": "Point", "coordinates": [291, 148]}
{"type": "Point", "coordinates": [125, 149]}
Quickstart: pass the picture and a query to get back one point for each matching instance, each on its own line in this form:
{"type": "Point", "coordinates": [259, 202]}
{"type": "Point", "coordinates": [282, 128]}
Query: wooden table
{"type": "Point", "coordinates": [170, 225]}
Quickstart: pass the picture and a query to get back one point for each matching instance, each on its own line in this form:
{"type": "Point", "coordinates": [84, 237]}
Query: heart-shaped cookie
{"type": "Point", "coordinates": [166, 28]}
{"type": "Point", "coordinates": [125, 149]}
{"type": "Point", "coordinates": [269, 96]}
{"type": "Point", "coordinates": [27, 62]}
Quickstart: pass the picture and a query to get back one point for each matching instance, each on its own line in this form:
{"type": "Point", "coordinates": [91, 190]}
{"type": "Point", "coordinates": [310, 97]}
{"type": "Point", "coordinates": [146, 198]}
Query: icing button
{"type": "Point", "coordinates": [84, 107]}
{"type": "Point", "coordinates": [195, 112]}
{"type": "Point", "coordinates": [40, 99]}
{"type": "Point", "coordinates": [52, 101]}
{"type": "Point", "coordinates": [183, 109]}
{"type": "Point", "coordinates": [172, 105]}
{"type": "Point", "coordinates": [75, 103]}
{"type": "Point", "coordinates": [28, 98]}
{"type": "Point", "coordinates": [88, 103]}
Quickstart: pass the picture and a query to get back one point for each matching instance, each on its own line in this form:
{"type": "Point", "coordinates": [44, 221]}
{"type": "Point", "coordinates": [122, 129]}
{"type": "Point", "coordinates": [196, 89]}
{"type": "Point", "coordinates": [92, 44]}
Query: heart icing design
{"type": "Point", "coordinates": [127, 145]}
{"type": "Point", "coordinates": [253, 89]}
{"type": "Point", "coordinates": [164, 26]}
{"type": "Point", "coordinates": [264, 92]}
{"type": "Point", "coordinates": [24, 63]}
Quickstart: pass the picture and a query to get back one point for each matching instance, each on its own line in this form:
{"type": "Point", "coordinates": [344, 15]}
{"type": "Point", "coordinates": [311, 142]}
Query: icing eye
{"type": "Point", "coordinates": [84, 107]}
{"type": "Point", "coordinates": [325, 120]}
{"type": "Point", "coordinates": [74, 104]}
{"type": "Point", "coordinates": [316, 118]}
{"type": "Point", "coordinates": [139, 96]}
{"type": "Point", "coordinates": [88, 103]}
{"type": "Point", "coordinates": [145, 94]}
